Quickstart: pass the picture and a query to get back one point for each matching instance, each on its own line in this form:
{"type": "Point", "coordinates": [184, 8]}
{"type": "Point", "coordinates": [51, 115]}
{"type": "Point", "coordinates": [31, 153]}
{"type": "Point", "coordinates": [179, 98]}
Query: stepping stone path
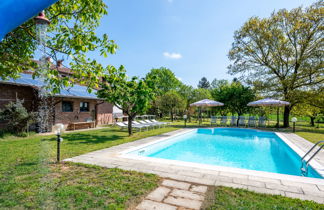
{"type": "Point", "coordinates": [174, 195]}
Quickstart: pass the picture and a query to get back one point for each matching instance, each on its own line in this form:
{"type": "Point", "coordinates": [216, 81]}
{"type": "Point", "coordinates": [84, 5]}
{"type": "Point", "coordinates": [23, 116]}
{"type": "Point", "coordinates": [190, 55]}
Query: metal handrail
{"type": "Point", "coordinates": [317, 143]}
{"type": "Point", "coordinates": [307, 162]}
{"type": "Point", "coordinates": [305, 170]}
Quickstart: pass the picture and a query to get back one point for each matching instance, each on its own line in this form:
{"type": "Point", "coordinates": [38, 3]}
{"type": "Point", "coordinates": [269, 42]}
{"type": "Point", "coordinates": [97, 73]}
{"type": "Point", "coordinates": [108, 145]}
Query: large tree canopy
{"type": "Point", "coordinates": [133, 96]}
{"type": "Point", "coordinates": [281, 54]}
{"type": "Point", "coordinates": [235, 97]}
{"type": "Point", "coordinates": [171, 102]}
{"type": "Point", "coordinates": [164, 78]}
{"type": "Point", "coordinates": [71, 35]}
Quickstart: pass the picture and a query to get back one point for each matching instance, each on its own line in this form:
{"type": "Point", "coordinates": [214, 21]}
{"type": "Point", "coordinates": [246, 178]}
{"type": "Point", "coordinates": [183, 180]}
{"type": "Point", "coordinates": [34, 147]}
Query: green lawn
{"type": "Point", "coordinates": [30, 179]}
{"type": "Point", "coordinates": [229, 198]}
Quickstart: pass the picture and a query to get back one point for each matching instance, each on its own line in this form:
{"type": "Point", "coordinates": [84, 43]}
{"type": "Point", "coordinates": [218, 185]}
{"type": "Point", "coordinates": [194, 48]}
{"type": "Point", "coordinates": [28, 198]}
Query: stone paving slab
{"type": "Point", "coordinates": [175, 184]}
{"type": "Point", "coordinates": [159, 194]}
{"type": "Point", "coordinates": [186, 194]}
{"type": "Point", "coordinates": [198, 189]}
{"type": "Point", "coordinates": [170, 195]}
{"type": "Point", "coordinates": [262, 182]}
{"type": "Point", "coordinates": [152, 205]}
{"type": "Point", "coordinates": [184, 202]}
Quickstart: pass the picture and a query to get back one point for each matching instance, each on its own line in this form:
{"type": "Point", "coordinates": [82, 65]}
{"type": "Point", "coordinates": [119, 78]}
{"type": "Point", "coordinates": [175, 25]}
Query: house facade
{"type": "Point", "coordinates": [73, 106]}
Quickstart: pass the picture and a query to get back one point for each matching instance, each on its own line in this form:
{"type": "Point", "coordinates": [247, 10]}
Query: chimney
{"type": "Point", "coordinates": [48, 59]}
{"type": "Point", "coordinates": [59, 63]}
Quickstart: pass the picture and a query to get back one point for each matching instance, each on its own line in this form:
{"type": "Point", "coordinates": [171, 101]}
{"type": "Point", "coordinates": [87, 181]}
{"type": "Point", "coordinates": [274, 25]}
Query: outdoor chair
{"type": "Point", "coordinates": [262, 122]}
{"type": "Point", "coordinates": [213, 120]}
{"type": "Point", "coordinates": [251, 122]}
{"type": "Point", "coordinates": [233, 121]}
{"type": "Point", "coordinates": [241, 121]}
{"type": "Point", "coordinates": [224, 121]}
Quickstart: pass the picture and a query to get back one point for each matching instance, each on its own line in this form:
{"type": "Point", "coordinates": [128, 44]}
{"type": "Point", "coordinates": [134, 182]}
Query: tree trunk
{"type": "Point", "coordinates": [286, 116]}
{"type": "Point", "coordinates": [130, 121]}
{"type": "Point", "coordinates": [312, 122]}
{"type": "Point", "coordinates": [171, 115]}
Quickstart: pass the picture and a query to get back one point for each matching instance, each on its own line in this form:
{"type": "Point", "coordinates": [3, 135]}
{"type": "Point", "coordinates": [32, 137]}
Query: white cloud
{"type": "Point", "coordinates": [172, 55]}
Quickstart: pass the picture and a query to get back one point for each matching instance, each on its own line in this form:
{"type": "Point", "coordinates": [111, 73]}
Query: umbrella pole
{"type": "Point", "coordinates": [199, 116]}
{"type": "Point", "coordinates": [278, 117]}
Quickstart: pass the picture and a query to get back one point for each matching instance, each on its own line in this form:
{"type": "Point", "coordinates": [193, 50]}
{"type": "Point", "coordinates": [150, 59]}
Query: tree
{"type": "Point", "coordinates": [165, 80]}
{"type": "Point", "coordinates": [235, 97]}
{"type": "Point", "coordinates": [132, 96]}
{"type": "Point", "coordinates": [71, 35]}
{"type": "Point", "coordinates": [203, 83]}
{"type": "Point", "coordinates": [281, 54]}
{"type": "Point", "coordinates": [218, 83]}
{"type": "Point", "coordinates": [17, 117]}
{"type": "Point", "coordinates": [312, 106]}
{"type": "Point", "coordinates": [200, 94]}
{"type": "Point", "coordinates": [186, 91]}
{"type": "Point", "coordinates": [171, 102]}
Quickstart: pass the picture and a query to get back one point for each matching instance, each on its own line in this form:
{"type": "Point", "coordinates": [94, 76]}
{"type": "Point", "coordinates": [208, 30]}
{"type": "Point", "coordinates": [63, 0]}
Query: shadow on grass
{"type": "Point", "coordinates": [84, 138]}
{"type": "Point", "coordinates": [91, 139]}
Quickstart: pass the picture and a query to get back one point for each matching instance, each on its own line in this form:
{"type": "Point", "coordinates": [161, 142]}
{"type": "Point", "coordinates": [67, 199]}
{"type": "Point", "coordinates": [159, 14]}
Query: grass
{"type": "Point", "coordinates": [30, 179]}
{"type": "Point", "coordinates": [229, 198]}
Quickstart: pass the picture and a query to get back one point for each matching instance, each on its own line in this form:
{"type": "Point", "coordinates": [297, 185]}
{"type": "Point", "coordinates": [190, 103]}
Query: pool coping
{"type": "Point", "coordinates": [259, 181]}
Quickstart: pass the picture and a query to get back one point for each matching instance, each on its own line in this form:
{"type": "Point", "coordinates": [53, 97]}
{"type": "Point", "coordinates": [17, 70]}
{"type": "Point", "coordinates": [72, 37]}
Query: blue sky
{"type": "Point", "coordinates": [191, 37]}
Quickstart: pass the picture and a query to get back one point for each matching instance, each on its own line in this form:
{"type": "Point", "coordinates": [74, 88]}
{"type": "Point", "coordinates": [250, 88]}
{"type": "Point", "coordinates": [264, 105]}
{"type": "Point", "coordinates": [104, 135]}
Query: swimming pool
{"type": "Point", "coordinates": [230, 147]}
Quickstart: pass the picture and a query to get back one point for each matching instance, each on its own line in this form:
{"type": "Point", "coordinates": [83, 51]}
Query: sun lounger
{"type": "Point", "coordinates": [242, 121]}
{"type": "Point", "coordinates": [251, 122]}
{"type": "Point", "coordinates": [160, 122]}
{"type": "Point", "coordinates": [153, 123]}
{"type": "Point", "coordinates": [143, 122]}
{"type": "Point", "coordinates": [157, 122]}
{"type": "Point", "coordinates": [139, 126]}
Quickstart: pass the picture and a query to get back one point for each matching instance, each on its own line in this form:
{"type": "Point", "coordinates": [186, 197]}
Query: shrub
{"type": "Point", "coordinates": [17, 117]}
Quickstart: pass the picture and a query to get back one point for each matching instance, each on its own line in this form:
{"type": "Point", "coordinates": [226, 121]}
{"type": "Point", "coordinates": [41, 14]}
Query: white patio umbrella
{"type": "Point", "coordinates": [206, 103]}
{"type": "Point", "coordinates": [270, 102]}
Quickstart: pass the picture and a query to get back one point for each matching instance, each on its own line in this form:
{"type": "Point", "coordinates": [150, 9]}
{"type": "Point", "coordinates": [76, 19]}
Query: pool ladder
{"type": "Point", "coordinates": [305, 163]}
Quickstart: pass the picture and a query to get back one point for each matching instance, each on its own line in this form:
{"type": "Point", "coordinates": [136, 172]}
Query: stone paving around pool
{"type": "Point", "coordinates": [172, 195]}
{"type": "Point", "coordinates": [257, 181]}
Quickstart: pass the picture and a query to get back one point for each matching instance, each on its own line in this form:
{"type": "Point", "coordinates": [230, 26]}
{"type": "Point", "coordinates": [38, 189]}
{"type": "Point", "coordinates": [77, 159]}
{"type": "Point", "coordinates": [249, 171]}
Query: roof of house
{"type": "Point", "coordinates": [77, 91]}
{"type": "Point", "coordinates": [60, 68]}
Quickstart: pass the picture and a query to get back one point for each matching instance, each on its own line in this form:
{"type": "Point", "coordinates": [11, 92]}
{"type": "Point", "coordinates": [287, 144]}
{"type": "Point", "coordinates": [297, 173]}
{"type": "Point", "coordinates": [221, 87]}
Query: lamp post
{"type": "Point", "coordinates": [58, 129]}
{"type": "Point", "coordinates": [294, 120]}
{"type": "Point", "coordinates": [185, 120]}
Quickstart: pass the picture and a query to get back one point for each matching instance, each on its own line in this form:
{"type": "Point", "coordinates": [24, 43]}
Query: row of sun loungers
{"type": "Point", "coordinates": [142, 124]}
{"type": "Point", "coordinates": [240, 121]}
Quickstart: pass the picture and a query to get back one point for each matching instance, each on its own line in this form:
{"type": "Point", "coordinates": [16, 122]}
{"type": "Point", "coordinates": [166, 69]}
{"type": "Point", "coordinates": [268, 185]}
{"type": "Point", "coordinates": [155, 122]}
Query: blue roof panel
{"type": "Point", "coordinates": [77, 91]}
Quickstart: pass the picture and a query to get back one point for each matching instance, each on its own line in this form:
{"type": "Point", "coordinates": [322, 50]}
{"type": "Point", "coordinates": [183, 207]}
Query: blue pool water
{"type": "Point", "coordinates": [238, 148]}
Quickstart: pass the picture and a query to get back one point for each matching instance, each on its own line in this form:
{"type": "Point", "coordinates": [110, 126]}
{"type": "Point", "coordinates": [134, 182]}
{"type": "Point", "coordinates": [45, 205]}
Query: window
{"type": "Point", "coordinates": [67, 106]}
{"type": "Point", "coordinates": [84, 106]}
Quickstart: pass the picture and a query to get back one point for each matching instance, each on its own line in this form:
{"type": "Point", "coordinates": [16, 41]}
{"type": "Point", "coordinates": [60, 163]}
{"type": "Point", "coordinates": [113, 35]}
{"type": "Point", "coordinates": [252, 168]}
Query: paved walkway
{"type": "Point", "coordinates": [262, 182]}
{"type": "Point", "coordinates": [173, 195]}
